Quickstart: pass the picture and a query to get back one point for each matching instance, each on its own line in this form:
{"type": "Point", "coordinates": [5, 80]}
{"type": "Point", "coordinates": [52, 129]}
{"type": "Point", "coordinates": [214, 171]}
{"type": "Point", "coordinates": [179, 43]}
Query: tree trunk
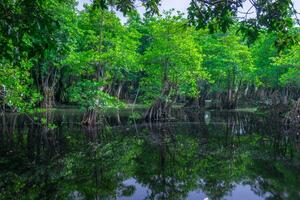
{"type": "Point", "coordinates": [227, 101]}
{"type": "Point", "coordinates": [119, 90]}
{"type": "Point", "coordinates": [204, 91]}
{"type": "Point", "coordinates": [48, 101]}
{"type": "Point", "coordinates": [2, 97]}
{"type": "Point", "coordinates": [285, 96]}
{"type": "Point", "coordinates": [292, 119]}
{"type": "Point", "coordinates": [48, 85]}
{"type": "Point", "coordinates": [161, 108]}
{"type": "Point", "coordinates": [90, 117]}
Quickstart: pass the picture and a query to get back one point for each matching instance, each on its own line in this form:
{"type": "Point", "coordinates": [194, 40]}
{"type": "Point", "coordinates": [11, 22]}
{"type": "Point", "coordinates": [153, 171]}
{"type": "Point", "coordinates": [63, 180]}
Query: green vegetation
{"type": "Point", "coordinates": [66, 75]}
{"type": "Point", "coordinates": [53, 54]}
{"type": "Point", "coordinates": [172, 64]}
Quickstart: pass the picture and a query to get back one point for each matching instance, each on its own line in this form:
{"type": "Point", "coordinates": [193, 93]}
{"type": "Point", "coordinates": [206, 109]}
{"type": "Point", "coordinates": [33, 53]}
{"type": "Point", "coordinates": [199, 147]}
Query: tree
{"type": "Point", "coordinates": [269, 90]}
{"type": "Point", "coordinates": [263, 50]}
{"type": "Point", "coordinates": [290, 59]}
{"type": "Point", "coordinates": [172, 64]}
{"type": "Point", "coordinates": [54, 43]}
{"type": "Point", "coordinates": [31, 36]}
{"type": "Point", "coordinates": [229, 63]}
{"type": "Point", "coordinates": [291, 79]}
{"type": "Point", "coordinates": [275, 16]}
{"type": "Point", "coordinates": [105, 52]}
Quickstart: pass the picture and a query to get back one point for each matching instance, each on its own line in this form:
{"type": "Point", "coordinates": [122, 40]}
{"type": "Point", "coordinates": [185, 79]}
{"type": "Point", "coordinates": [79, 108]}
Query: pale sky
{"type": "Point", "coordinates": [180, 5]}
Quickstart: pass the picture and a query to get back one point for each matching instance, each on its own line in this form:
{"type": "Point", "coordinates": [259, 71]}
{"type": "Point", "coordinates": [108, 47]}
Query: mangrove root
{"type": "Point", "coordinates": [292, 119]}
{"type": "Point", "coordinates": [90, 118]}
{"type": "Point", "coordinates": [158, 111]}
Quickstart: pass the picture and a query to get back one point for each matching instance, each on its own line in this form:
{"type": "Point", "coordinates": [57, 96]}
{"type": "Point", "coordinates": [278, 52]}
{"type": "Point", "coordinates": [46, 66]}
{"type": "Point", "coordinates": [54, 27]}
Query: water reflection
{"type": "Point", "coordinates": [214, 155]}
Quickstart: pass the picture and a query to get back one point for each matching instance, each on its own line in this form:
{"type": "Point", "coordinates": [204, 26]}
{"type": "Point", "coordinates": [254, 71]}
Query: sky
{"type": "Point", "coordinates": [180, 5]}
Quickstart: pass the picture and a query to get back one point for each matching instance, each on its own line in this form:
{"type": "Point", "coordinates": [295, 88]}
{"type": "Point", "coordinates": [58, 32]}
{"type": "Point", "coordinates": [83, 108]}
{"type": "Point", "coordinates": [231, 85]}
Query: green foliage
{"type": "Point", "coordinates": [104, 53]}
{"type": "Point", "coordinates": [227, 60]}
{"type": "Point", "coordinates": [15, 81]}
{"type": "Point", "coordinates": [273, 16]}
{"type": "Point", "coordinates": [50, 52]}
{"type": "Point", "coordinates": [263, 50]}
{"type": "Point", "coordinates": [276, 69]}
{"type": "Point", "coordinates": [291, 61]}
{"type": "Point", "coordinates": [135, 116]}
{"type": "Point", "coordinates": [89, 95]}
{"type": "Point", "coordinates": [33, 42]}
{"type": "Point", "coordinates": [172, 57]}
{"type": "Point", "coordinates": [125, 7]}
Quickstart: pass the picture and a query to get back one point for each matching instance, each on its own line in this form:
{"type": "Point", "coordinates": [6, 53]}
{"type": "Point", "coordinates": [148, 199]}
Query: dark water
{"type": "Point", "coordinates": [202, 155]}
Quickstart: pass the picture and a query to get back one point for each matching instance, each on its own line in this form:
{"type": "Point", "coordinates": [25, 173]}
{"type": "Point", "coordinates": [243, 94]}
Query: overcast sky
{"type": "Point", "coordinates": [180, 5]}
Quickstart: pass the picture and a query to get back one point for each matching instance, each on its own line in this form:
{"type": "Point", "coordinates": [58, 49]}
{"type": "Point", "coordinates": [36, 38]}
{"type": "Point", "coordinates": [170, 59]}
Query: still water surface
{"type": "Point", "coordinates": [201, 155]}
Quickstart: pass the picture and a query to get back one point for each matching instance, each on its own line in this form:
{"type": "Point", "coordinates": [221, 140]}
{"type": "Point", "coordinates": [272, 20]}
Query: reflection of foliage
{"type": "Point", "coordinates": [167, 168]}
{"type": "Point", "coordinates": [169, 160]}
{"type": "Point", "coordinates": [100, 170]}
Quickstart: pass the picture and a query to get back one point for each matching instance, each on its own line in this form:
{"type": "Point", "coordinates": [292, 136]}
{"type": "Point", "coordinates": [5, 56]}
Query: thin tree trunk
{"type": "Point", "coordinates": [119, 90]}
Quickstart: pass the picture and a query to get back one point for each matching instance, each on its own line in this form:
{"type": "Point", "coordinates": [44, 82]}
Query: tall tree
{"type": "Point", "coordinates": [32, 33]}
{"type": "Point", "coordinates": [106, 51]}
{"type": "Point", "coordinates": [230, 65]}
{"type": "Point", "coordinates": [172, 64]}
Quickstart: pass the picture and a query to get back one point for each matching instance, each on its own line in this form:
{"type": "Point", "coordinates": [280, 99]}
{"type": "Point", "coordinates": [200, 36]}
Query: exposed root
{"type": "Point", "coordinates": [90, 118]}
{"type": "Point", "coordinates": [160, 110]}
{"type": "Point", "coordinates": [292, 119]}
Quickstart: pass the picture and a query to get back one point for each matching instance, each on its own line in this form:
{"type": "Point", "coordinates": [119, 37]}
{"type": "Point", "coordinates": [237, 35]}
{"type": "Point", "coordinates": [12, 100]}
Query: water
{"type": "Point", "coordinates": [201, 155]}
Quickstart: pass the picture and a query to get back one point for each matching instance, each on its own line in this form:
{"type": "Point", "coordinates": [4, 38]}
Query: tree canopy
{"type": "Point", "coordinates": [53, 54]}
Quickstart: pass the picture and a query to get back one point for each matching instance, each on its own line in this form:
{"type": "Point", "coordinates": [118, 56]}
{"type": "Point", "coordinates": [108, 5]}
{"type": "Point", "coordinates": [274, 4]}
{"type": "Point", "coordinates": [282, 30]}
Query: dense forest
{"type": "Point", "coordinates": [119, 99]}
{"type": "Point", "coordinates": [52, 54]}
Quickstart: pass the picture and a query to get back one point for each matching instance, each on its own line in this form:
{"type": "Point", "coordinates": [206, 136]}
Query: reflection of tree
{"type": "Point", "coordinates": [166, 164]}
{"type": "Point", "coordinates": [172, 164]}
{"type": "Point", "coordinates": [170, 159]}
{"type": "Point", "coordinates": [26, 165]}
{"type": "Point", "coordinates": [277, 165]}
{"type": "Point", "coordinates": [98, 170]}
{"type": "Point", "coordinates": [42, 163]}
